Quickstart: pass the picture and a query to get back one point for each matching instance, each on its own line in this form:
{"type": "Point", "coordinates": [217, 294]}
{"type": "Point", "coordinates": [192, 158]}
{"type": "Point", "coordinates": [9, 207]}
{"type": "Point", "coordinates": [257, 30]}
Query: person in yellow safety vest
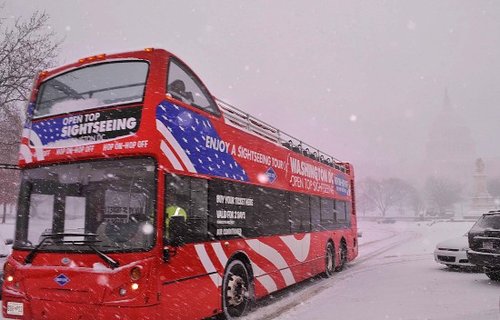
{"type": "Point", "coordinates": [171, 211]}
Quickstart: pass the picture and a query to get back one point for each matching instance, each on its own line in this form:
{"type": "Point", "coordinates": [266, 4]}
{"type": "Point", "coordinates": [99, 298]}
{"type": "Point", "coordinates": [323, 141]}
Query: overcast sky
{"type": "Point", "coordinates": [362, 80]}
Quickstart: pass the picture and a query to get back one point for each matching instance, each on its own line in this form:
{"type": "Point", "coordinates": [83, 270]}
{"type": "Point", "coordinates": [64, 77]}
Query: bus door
{"type": "Point", "coordinates": [190, 282]}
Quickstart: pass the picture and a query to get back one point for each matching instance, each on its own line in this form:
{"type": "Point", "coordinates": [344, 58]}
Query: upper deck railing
{"type": "Point", "coordinates": [243, 120]}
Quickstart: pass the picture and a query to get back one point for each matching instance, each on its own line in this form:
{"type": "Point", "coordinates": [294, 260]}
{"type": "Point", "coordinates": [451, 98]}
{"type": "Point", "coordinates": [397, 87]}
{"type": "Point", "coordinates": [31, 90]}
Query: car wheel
{"type": "Point", "coordinates": [493, 275]}
{"type": "Point", "coordinates": [329, 260]}
{"type": "Point", "coordinates": [237, 292]}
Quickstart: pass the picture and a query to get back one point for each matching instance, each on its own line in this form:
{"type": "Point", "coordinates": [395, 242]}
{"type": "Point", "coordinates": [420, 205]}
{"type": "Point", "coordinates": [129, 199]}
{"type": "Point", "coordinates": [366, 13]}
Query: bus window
{"type": "Point", "coordinates": [271, 216]}
{"type": "Point", "coordinates": [327, 212]}
{"type": "Point", "coordinates": [187, 197]}
{"type": "Point", "coordinates": [341, 211]}
{"type": "Point", "coordinates": [185, 87]}
{"type": "Point", "coordinates": [99, 85]}
{"type": "Point", "coordinates": [315, 214]}
{"type": "Point", "coordinates": [348, 212]}
{"type": "Point", "coordinates": [112, 200]}
{"type": "Point", "coordinates": [299, 213]}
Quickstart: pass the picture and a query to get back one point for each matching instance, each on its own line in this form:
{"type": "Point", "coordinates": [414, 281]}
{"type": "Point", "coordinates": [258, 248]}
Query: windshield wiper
{"type": "Point", "coordinates": [112, 263]}
{"type": "Point", "coordinates": [89, 242]}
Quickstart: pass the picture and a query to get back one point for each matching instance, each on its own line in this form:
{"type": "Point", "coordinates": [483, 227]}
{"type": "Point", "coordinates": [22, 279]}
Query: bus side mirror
{"type": "Point", "coordinates": [177, 229]}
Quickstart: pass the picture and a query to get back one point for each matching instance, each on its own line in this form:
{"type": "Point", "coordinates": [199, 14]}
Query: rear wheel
{"type": "Point", "coordinates": [236, 290]}
{"type": "Point", "coordinates": [329, 260]}
{"type": "Point", "coordinates": [343, 257]}
{"type": "Point", "coordinates": [493, 274]}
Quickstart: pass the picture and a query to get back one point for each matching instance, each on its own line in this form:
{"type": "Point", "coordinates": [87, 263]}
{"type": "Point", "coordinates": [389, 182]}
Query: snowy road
{"type": "Point", "coordinates": [394, 277]}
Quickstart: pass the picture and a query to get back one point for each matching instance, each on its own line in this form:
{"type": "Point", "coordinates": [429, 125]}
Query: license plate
{"type": "Point", "coordinates": [488, 245]}
{"type": "Point", "coordinates": [15, 308]}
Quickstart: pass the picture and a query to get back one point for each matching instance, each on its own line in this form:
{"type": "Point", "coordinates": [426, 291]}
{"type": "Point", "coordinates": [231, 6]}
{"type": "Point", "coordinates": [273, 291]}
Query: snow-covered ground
{"type": "Point", "coordinates": [394, 277]}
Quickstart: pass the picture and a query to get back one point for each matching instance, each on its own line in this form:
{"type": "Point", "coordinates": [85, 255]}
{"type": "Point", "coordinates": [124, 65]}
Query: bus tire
{"type": "Point", "coordinates": [329, 260]}
{"type": "Point", "coordinates": [343, 257]}
{"type": "Point", "coordinates": [237, 292]}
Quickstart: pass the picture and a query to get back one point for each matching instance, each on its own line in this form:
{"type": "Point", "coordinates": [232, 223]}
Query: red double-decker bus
{"type": "Point", "coordinates": [144, 197]}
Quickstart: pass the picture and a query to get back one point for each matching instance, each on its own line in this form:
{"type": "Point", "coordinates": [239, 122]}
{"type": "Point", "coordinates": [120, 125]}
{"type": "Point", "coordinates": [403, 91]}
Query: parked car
{"type": "Point", "coordinates": [453, 252]}
{"type": "Point", "coordinates": [387, 220]}
{"type": "Point", "coordinates": [484, 244]}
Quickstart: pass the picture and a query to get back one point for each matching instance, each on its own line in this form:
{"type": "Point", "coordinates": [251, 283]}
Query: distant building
{"type": "Point", "coordinates": [450, 148]}
{"type": "Point", "coordinates": [450, 152]}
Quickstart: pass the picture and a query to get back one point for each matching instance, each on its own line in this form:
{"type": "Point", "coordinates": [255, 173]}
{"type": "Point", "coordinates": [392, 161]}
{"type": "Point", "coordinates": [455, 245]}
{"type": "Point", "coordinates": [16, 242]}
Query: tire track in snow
{"type": "Point", "coordinates": [293, 296]}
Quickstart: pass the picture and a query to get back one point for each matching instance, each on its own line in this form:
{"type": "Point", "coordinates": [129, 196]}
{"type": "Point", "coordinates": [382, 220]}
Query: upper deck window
{"type": "Point", "coordinates": [99, 85]}
{"type": "Point", "coordinates": [184, 86]}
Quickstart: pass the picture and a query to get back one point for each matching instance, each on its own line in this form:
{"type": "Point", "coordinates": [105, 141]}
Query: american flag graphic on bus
{"type": "Point", "coordinates": [48, 131]}
{"type": "Point", "coordinates": [185, 144]}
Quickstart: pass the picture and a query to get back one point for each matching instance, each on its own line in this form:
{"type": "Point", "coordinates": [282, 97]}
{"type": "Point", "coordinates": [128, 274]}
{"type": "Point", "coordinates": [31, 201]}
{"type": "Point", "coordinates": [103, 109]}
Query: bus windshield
{"type": "Point", "coordinates": [97, 85]}
{"type": "Point", "coordinates": [108, 202]}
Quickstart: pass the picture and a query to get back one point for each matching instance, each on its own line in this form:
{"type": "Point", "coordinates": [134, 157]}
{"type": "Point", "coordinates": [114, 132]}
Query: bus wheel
{"type": "Point", "coordinates": [236, 290]}
{"type": "Point", "coordinates": [329, 260]}
{"type": "Point", "coordinates": [343, 257]}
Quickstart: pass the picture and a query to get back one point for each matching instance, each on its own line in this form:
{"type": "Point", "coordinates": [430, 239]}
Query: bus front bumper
{"type": "Point", "coordinates": [15, 308]}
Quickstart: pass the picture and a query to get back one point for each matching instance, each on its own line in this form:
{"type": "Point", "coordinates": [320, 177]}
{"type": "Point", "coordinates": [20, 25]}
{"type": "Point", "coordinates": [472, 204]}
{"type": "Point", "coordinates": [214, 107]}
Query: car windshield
{"type": "Point", "coordinates": [109, 204]}
{"type": "Point", "coordinates": [489, 221]}
{"type": "Point", "coordinates": [93, 86]}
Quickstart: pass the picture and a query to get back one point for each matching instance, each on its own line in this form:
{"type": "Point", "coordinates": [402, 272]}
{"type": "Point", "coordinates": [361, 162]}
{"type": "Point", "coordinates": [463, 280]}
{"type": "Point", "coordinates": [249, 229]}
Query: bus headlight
{"type": "Point", "coordinates": [8, 272]}
{"type": "Point", "coordinates": [135, 273]}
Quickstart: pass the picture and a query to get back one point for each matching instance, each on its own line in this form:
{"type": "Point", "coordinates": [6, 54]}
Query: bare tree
{"type": "Point", "coordinates": [385, 194]}
{"type": "Point", "coordinates": [27, 46]}
{"type": "Point", "coordinates": [442, 194]}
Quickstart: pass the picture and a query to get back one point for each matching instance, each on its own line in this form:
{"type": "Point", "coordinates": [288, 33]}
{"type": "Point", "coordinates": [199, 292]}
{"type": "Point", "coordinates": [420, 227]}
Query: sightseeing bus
{"type": "Point", "coordinates": [144, 197]}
